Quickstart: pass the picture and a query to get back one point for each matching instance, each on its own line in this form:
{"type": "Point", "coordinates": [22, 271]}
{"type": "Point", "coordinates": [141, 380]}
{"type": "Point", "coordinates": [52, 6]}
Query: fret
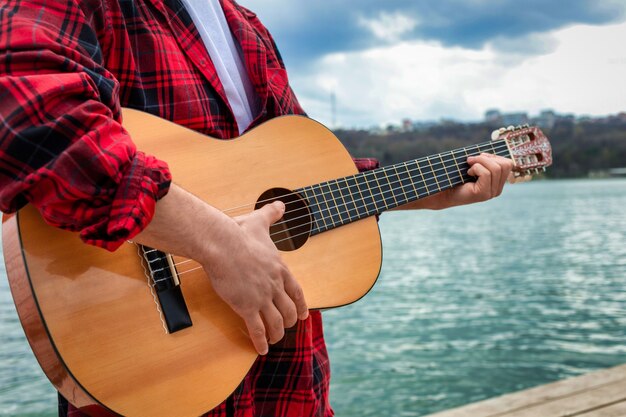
{"type": "Point", "coordinates": [339, 200]}
{"type": "Point", "coordinates": [458, 169]}
{"type": "Point", "coordinates": [383, 193]}
{"type": "Point", "coordinates": [327, 196]}
{"type": "Point", "coordinates": [469, 177]}
{"type": "Point", "coordinates": [357, 197]}
{"type": "Point", "coordinates": [427, 176]}
{"type": "Point", "coordinates": [445, 170]}
{"type": "Point", "coordinates": [485, 148]}
{"type": "Point", "coordinates": [325, 214]}
{"type": "Point", "coordinates": [344, 200]}
{"type": "Point", "coordinates": [454, 169]}
{"type": "Point", "coordinates": [434, 173]}
{"type": "Point", "coordinates": [421, 190]}
{"type": "Point", "coordinates": [313, 208]}
{"type": "Point", "coordinates": [397, 186]}
{"type": "Point", "coordinates": [392, 186]}
{"type": "Point", "coordinates": [320, 208]}
{"type": "Point", "coordinates": [408, 186]}
{"type": "Point", "coordinates": [464, 166]}
{"type": "Point", "coordinates": [503, 148]}
{"type": "Point", "coordinates": [351, 209]}
{"type": "Point", "coordinates": [368, 199]}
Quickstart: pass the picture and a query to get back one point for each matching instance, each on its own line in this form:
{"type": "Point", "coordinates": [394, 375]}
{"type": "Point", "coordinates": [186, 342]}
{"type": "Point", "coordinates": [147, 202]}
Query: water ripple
{"type": "Point", "coordinates": [482, 300]}
{"type": "Point", "coordinates": [472, 302]}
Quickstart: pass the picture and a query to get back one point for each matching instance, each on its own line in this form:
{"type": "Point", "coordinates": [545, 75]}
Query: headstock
{"type": "Point", "coordinates": [528, 148]}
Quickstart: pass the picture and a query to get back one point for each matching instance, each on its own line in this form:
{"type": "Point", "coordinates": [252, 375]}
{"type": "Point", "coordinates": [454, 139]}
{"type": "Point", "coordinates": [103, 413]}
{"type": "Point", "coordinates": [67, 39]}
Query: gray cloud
{"type": "Point", "coordinates": [307, 30]}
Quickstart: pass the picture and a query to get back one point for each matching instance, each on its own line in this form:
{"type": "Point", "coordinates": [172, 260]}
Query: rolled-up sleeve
{"type": "Point", "coordinates": [62, 145]}
{"type": "Point", "coordinates": [366, 164]}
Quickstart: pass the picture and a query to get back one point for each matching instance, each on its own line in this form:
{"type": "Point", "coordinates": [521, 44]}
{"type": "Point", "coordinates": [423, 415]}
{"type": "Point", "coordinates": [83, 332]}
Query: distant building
{"type": "Point", "coordinates": [391, 128]}
{"type": "Point", "coordinates": [407, 125]}
{"type": "Point", "coordinates": [375, 130]}
{"type": "Point", "coordinates": [493, 116]}
{"type": "Point", "coordinates": [546, 119]}
{"type": "Point", "coordinates": [567, 118]}
{"type": "Point", "coordinates": [424, 126]}
{"type": "Point", "coordinates": [514, 119]}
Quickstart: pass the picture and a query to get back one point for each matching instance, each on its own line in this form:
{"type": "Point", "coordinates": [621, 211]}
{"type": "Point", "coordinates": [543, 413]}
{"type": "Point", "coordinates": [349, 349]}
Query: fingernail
{"type": "Point", "coordinates": [263, 352]}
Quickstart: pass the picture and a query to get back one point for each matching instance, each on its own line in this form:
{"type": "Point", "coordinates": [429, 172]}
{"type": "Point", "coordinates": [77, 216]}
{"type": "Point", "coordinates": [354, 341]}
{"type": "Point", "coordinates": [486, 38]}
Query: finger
{"type": "Point", "coordinates": [494, 168]}
{"type": "Point", "coordinates": [271, 213]}
{"type": "Point", "coordinates": [507, 169]}
{"type": "Point", "coordinates": [273, 323]}
{"type": "Point", "coordinates": [287, 309]}
{"type": "Point", "coordinates": [506, 165]}
{"type": "Point", "coordinates": [256, 330]}
{"type": "Point", "coordinates": [496, 174]}
{"type": "Point", "coordinates": [482, 187]}
{"type": "Point", "coordinates": [294, 290]}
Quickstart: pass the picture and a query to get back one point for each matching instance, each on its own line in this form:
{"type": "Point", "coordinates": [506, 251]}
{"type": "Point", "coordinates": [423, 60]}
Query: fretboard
{"type": "Point", "coordinates": [345, 200]}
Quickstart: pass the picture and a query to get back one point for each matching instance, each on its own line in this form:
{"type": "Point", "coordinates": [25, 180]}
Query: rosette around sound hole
{"type": "Point", "coordinates": [294, 228]}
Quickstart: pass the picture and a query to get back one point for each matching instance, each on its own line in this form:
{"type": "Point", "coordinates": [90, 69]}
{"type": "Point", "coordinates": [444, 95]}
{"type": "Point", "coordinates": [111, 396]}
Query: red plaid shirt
{"type": "Point", "coordinates": [66, 67]}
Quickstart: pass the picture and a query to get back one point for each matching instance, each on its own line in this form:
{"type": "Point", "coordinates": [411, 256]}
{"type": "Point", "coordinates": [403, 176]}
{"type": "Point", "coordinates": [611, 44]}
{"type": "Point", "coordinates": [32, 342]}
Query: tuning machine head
{"type": "Point", "coordinates": [528, 148]}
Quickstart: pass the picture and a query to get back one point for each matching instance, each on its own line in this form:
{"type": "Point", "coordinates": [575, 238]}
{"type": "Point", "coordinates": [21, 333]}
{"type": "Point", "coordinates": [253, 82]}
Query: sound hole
{"type": "Point", "coordinates": [294, 228]}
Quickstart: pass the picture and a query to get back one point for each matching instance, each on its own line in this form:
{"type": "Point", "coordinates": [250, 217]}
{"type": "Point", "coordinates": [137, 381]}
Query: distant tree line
{"type": "Point", "coordinates": [579, 148]}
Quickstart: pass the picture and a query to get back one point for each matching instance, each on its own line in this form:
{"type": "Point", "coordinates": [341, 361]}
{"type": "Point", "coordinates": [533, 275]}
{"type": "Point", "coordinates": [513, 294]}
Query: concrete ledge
{"type": "Point", "coordinates": [597, 394]}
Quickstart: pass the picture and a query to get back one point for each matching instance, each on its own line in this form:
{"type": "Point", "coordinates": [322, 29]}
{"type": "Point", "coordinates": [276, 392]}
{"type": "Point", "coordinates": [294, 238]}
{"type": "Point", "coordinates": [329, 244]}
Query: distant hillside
{"type": "Point", "coordinates": [579, 147]}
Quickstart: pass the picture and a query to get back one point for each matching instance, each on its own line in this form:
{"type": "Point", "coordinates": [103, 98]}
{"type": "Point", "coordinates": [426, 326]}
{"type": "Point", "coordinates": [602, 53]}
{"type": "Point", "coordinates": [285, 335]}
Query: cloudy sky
{"type": "Point", "coordinates": [386, 60]}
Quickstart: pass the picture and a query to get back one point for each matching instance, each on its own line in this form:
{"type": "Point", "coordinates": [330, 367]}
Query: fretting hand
{"type": "Point", "coordinates": [492, 172]}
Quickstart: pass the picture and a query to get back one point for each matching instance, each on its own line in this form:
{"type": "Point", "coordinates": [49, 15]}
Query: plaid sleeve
{"type": "Point", "coordinates": [62, 146]}
{"type": "Point", "coordinates": [366, 164]}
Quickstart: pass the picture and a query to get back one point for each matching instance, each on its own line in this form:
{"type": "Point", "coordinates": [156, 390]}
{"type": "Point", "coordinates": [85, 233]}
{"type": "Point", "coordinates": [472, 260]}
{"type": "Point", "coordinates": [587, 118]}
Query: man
{"type": "Point", "coordinates": [67, 67]}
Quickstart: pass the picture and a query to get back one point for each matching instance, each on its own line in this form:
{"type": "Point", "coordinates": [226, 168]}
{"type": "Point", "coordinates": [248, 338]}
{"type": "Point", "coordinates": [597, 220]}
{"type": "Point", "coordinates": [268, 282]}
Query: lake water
{"type": "Point", "coordinates": [472, 302]}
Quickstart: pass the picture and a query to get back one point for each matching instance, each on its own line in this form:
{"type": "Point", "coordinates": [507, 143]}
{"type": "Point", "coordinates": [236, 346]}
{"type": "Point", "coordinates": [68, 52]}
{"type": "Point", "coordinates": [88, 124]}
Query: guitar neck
{"type": "Point", "coordinates": [345, 200]}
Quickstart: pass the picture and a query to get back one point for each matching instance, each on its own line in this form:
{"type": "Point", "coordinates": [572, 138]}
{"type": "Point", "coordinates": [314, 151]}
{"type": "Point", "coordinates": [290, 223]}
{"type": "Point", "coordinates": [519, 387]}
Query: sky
{"type": "Point", "coordinates": [386, 60]}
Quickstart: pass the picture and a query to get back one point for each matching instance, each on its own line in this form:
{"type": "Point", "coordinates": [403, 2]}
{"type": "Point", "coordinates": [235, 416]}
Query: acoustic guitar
{"type": "Point", "coordinates": [139, 332]}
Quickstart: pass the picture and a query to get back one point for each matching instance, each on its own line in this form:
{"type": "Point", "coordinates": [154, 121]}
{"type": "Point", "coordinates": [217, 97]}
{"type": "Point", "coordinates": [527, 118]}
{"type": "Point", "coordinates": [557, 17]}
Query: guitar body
{"type": "Point", "coordinates": [90, 315]}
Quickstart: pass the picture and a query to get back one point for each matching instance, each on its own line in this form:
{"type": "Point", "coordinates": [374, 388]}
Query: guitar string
{"type": "Point", "coordinates": [372, 175]}
{"type": "Point", "coordinates": [278, 241]}
{"type": "Point", "coordinates": [499, 147]}
{"type": "Point", "coordinates": [374, 201]}
{"type": "Point", "coordinates": [444, 176]}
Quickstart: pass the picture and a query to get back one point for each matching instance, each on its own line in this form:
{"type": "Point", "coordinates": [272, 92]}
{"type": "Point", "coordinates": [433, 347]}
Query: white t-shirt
{"type": "Point", "coordinates": [209, 19]}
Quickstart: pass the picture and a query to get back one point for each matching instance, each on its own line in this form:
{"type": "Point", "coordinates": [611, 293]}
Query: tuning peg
{"type": "Point", "coordinates": [495, 135]}
{"type": "Point", "coordinates": [543, 169]}
{"type": "Point", "coordinates": [519, 177]}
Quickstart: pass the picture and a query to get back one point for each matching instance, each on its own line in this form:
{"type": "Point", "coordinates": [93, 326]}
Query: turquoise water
{"type": "Point", "coordinates": [472, 302]}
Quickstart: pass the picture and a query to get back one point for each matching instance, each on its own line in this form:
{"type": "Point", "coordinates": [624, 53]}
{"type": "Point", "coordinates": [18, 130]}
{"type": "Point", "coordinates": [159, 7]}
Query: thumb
{"type": "Point", "coordinates": [271, 213]}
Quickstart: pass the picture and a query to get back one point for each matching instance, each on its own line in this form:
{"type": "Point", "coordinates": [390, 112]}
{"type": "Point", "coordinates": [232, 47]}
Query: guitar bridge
{"type": "Point", "coordinates": [164, 279]}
